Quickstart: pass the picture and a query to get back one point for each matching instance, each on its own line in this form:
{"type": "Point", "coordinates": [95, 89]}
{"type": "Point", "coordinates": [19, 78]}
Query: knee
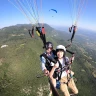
{"type": "Point", "coordinates": [65, 91]}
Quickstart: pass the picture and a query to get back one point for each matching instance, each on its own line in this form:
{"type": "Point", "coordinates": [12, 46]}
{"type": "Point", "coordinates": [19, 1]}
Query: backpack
{"type": "Point", "coordinates": [49, 60]}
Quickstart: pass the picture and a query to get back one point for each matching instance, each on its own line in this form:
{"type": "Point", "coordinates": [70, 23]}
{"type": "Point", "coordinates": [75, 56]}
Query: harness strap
{"type": "Point", "coordinates": [49, 60]}
{"type": "Point", "coordinates": [68, 79]}
{"type": "Point", "coordinates": [60, 69]}
{"type": "Point", "coordinates": [60, 72]}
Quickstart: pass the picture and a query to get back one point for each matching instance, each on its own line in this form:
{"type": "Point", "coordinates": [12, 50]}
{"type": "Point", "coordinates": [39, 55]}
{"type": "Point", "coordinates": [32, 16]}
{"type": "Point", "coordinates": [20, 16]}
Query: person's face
{"type": "Point", "coordinates": [48, 50]}
{"type": "Point", "coordinates": [60, 54]}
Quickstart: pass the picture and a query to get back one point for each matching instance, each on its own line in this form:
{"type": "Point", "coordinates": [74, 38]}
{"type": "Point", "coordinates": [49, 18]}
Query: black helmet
{"type": "Point", "coordinates": [49, 45]}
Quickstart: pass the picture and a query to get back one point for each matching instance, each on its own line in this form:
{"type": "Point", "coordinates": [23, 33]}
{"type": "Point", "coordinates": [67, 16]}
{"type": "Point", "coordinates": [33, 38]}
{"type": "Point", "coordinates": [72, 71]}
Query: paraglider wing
{"type": "Point", "coordinates": [54, 10]}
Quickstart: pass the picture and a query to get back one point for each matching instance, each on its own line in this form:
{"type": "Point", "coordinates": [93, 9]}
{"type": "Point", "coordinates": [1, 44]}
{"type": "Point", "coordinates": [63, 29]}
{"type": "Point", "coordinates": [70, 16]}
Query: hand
{"type": "Point", "coordinates": [46, 72]}
{"type": "Point", "coordinates": [71, 72]}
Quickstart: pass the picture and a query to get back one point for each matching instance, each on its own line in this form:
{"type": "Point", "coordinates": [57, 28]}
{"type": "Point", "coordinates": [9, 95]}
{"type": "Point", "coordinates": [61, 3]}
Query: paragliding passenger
{"type": "Point", "coordinates": [63, 71]}
{"type": "Point", "coordinates": [46, 59]}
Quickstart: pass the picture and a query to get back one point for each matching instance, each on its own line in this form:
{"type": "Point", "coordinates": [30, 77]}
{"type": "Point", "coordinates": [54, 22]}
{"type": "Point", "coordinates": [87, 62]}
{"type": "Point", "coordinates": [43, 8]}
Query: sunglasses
{"type": "Point", "coordinates": [49, 48]}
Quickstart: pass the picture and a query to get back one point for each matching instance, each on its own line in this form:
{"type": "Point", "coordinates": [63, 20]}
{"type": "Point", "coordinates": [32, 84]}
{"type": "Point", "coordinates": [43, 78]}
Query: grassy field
{"type": "Point", "coordinates": [20, 64]}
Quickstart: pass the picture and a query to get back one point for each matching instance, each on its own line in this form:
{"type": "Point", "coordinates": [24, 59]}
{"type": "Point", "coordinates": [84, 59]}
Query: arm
{"type": "Point", "coordinates": [43, 62]}
{"type": "Point", "coordinates": [44, 69]}
{"type": "Point", "coordinates": [53, 69]}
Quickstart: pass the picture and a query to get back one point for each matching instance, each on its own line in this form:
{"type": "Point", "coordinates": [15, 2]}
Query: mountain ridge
{"type": "Point", "coordinates": [20, 62]}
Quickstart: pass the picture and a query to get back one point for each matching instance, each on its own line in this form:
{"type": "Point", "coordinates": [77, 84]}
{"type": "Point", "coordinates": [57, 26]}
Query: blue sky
{"type": "Point", "coordinates": [10, 15]}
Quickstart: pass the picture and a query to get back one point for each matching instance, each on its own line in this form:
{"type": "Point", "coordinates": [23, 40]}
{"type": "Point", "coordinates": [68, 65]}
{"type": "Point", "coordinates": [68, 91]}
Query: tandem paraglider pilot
{"type": "Point", "coordinates": [46, 59]}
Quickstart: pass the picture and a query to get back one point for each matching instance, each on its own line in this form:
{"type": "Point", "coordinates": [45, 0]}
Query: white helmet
{"type": "Point", "coordinates": [61, 47]}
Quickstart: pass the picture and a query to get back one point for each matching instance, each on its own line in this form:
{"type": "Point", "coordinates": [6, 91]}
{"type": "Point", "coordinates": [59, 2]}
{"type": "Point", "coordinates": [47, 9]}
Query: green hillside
{"type": "Point", "coordinates": [20, 63]}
